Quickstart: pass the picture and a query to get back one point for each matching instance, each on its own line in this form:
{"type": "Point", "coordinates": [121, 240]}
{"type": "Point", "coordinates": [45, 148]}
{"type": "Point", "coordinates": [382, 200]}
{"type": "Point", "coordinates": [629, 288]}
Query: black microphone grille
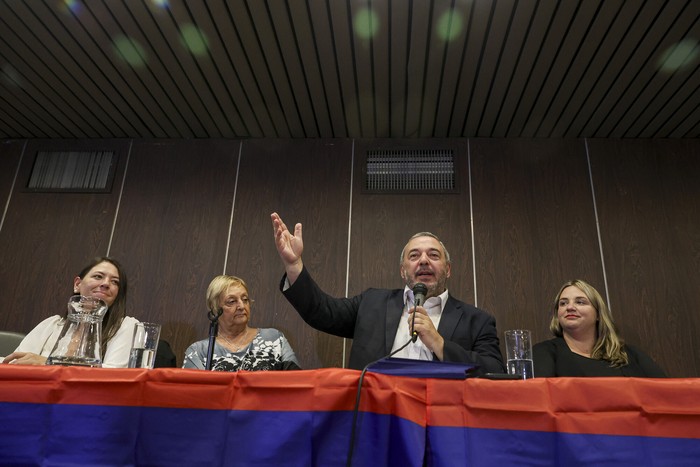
{"type": "Point", "coordinates": [420, 289]}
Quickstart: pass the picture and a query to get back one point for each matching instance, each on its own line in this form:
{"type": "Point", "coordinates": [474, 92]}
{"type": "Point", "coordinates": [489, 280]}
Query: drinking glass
{"type": "Point", "coordinates": [144, 345]}
{"type": "Point", "coordinates": [519, 353]}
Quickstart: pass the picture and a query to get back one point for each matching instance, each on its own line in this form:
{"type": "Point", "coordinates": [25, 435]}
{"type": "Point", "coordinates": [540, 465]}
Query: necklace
{"type": "Point", "coordinates": [237, 347]}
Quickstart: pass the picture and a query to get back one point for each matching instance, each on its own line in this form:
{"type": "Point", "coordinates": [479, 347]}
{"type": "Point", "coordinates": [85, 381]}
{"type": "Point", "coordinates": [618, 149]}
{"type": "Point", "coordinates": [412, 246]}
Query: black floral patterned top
{"type": "Point", "coordinates": [269, 350]}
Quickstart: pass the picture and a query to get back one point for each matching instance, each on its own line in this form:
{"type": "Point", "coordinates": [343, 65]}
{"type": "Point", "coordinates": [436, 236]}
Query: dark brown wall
{"type": "Point", "coordinates": [649, 209]}
{"type": "Point", "coordinates": [529, 203]}
{"type": "Point", "coordinates": [172, 229]}
{"type": "Point", "coordinates": [307, 182]}
{"type": "Point", "coordinates": [534, 227]}
{"type": "Point", "coordinates": [46, 238]}
{"type": "Point", "coordinates": [10, 153]}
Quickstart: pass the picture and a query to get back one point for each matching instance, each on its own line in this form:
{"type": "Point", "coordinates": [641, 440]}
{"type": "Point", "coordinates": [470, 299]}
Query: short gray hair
{"type": "Point", "coordinates": [425, 234]}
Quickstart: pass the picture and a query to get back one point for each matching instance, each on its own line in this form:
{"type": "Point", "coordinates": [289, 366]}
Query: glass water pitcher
{"type": "Point", "coordinates": [79, 342]}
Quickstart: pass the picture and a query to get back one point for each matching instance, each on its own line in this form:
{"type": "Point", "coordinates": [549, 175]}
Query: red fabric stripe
{"type": "Point", "coordinates": [307, 390]}
{"type": "Point", "coordinates": [613, 406]}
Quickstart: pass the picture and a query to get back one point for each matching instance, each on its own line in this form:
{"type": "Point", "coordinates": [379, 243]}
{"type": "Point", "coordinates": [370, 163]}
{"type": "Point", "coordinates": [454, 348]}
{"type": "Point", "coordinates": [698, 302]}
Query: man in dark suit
{"type": "Point", "coordinates": [381, 321]}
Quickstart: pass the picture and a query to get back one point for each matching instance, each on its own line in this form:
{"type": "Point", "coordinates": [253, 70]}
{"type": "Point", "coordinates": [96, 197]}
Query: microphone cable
{"type": "Point", "coordinates": [356, 409]}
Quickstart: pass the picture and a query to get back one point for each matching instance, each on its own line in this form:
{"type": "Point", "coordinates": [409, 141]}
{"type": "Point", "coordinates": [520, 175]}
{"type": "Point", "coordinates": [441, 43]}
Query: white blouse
{"type": "Point", "coordinates": [43, 337]}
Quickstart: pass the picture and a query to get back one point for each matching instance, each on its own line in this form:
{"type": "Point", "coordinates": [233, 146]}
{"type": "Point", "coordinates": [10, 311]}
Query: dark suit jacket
{"type": "Point", "coordinates": [165, 358]}
{"type": "Point", "coordinates": [372, 318]}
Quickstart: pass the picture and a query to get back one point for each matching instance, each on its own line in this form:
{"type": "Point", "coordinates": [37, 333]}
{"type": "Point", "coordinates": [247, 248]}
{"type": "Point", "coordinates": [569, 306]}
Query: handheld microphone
{"type": "Point", "coordinates": [419, 291]}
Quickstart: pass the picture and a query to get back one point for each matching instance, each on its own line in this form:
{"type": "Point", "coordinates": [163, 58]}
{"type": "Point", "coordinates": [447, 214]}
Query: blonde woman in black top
{"type": "Point", "coordinates": [587, 342]}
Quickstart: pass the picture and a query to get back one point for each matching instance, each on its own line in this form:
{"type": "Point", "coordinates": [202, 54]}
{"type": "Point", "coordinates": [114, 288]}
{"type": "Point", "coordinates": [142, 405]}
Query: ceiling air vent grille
{"type": "Point", "coordinates": [410, 171]}
{"type": "Point", "coordinates": [72, 171]}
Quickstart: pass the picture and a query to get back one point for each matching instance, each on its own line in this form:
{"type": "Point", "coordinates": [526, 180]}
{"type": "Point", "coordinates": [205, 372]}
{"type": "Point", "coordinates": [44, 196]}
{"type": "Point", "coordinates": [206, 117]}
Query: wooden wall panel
{"type": "Point", "coordinates": [305, 181]}
{"type": "Point", "coordinates": [47, 238]}
{"type": "Point", "coordinates": [10, 155]}
{"type": "Point", "coordinates": [171, 231]}
{"type": "Point", "coordinates": [383, 223]}
{"type": "Point", "coordinates": [648, 200]}
{"type": "Point", "coordinates": [534, 228]}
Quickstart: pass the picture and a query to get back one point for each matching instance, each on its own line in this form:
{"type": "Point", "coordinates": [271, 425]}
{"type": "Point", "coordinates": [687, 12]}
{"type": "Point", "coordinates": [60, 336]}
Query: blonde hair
{"type": "Point", "coordinates": [218, 286]}
{"type": "Point", "coordinates": [608, 346]}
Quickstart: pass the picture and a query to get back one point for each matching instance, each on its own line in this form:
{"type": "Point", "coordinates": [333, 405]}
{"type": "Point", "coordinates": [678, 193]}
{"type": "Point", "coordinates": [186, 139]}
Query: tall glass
{"type": "Point", "coordinates": [519, 353]}
{"type": "Point", "coordinates": [144, 345]}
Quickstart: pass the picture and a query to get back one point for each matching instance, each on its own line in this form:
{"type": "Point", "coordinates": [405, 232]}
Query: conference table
{"type": "Point", "coordinates": [96, 416]}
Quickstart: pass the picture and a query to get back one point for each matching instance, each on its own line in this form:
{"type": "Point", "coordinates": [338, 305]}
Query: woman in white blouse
{"type": "Point", "coordinates": [103, 278]}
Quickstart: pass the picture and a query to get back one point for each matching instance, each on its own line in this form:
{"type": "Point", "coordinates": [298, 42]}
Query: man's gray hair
{"type": "Point", "coordinates": [425, 234]}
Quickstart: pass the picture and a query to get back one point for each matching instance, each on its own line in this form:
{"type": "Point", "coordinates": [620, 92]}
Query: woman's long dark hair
{"type": "Point", "coordinates": [117, 311]}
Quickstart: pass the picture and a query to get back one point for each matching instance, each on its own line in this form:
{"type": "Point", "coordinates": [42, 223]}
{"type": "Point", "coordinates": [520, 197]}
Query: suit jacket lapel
{"type": "Point", "coordinates": [451, 315]}
{"type": "Point", "coordinates": [394, 311]}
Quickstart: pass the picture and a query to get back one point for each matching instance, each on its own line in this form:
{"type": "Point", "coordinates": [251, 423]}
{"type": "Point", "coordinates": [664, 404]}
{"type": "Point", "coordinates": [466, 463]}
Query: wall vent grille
{"type": "Point", "coordinates": [72, 171]}
{"type": "Point", "coordinates": [410, 171]}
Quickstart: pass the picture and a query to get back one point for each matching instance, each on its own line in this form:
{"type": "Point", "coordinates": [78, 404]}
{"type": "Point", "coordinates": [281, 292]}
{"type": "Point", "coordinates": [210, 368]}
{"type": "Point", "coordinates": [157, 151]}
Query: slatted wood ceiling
{"type": "Point", "coordinates": [361, 68]}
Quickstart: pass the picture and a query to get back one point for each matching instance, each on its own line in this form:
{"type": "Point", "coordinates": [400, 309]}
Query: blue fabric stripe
{"type": "Point", "coordinates": [486, 447]}
{"type": "Point", "coordinates": [63, 434]}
